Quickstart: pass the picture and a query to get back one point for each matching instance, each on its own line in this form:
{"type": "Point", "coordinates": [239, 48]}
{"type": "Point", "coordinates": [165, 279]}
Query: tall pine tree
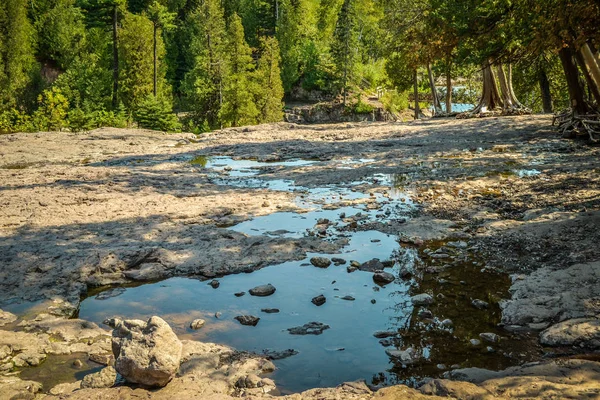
{"type": "Point", "coordinates": [269, 88]}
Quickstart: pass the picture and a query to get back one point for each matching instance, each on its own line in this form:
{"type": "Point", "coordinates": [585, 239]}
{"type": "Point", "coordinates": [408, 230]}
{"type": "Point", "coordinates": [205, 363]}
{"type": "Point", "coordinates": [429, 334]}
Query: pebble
{"type": "Point", "coordinates": [383, 278]}
{"type": "Point", "coordinates": [373, 301]}
{"type": "Point", "coordinates": [320, 262]}
{"type": "Point", "coordinates": [197, 324]}
{"type": "Point", "coordinates": [318, 300]}
{"type": "Point", "coordinates": [239, 294]}
{"type": "Point", "coordinates": [350, 298]}
{"type": "Point", "coordinates": [215, 283]}
{"type": "Point", "coordinates": [475, 342]}
{"type": "Point", "coordinates": [263, 290]}
{"type": "Point", "coordinates": [480, 304]}
{"type": "Point", "coordinates": [422, 299]}
{"type": "Point", "coordinates": [248, 320]}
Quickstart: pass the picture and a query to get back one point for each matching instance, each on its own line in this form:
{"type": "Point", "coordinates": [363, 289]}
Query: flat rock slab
{"type": "Point", "coordinates": [580, 331]}
{"type": "Point", "coordinates": [550, 295]}
{"type": "Point", "coordinates": [263, 290]}
{"type": "Point", "coordinates": [311, 328]}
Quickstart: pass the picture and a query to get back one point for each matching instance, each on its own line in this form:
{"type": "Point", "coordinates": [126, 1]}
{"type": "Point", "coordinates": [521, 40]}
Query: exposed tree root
{"type": "Point", "coordinates": [572, 125]}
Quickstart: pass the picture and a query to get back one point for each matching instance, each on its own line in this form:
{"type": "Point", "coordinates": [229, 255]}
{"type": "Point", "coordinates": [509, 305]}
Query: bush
{"type": "Point", "coordinates": [362, 108]}
{"type": "Point", "coordinates": [52, 112]}
{"type": "Point", "coordinates": [156, 114]}
{"type": "Point", "coordinates": [394, 102]}
{"type": "Point", "coordinates": [14, 120]}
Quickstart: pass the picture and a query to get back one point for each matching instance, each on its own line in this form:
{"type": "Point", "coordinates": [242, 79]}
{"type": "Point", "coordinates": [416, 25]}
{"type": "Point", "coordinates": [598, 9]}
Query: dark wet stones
{"type": "Point", "coordinates": [215, 284]}
{"type": "Point", "coordinates": [407, 357]}
{"type": "Point", "coordinates": [311, 328]}
{"type": "Point", "coordinates": [279, 355]}
{"type": "Point", "coordinates": [480, 304]}
{"type": "Point", "coordinates": [351, 269]}
{"type": "Point", "coordinates": [372, 265]}
{"type": "Point", "coordinates": [318, 300]}
{"type": "Point", "coordinates": [489, 337]}
{"type": "Point", "coordinates": [425, 314]}
{"type": "Point", "coordinates": [270, 310]}
{"type": "Point", "coordinates": [385, 334]}
{"type": "Point", "coordinates": [373, 301]}
{"type": "Point", "coordinates": [338, 261]}
{"type": "Point", "coordinates": [248, 320]}
{"type": "Point", "coordinates": [263, 290]}
{"type": "Point", "coordinates": [475, 342]}
{"type": "Point", "coordinates": [447, 323]}
{"type": "Point", "coordinates": [349, 298]}
{"type": "Point", "coordinates": [383, 278]}
{"type": "Point", "coordinates": [239, 294]}
{"type": "Point", "coordinates": [320, 262]}
{"type": "Point", "coordinates": [422, 299]}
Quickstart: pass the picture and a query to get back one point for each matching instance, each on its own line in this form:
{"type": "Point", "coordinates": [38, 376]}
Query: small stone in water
{"type": "Point", "coordinates": [373, 301]}
{"type": "Point", "coordinates": [319, 300]}
{"type": "Point", "coordinates": [248, 320]}
{"type": "Point", "coordinates": [350, 298]}
{"type": "Point", "coordinates": [239, 294]}
{"type": "Point", "coordinates": [320, 262]}
{"type": "Point", "coordinates": [215, 283]}
{"type": "Point", "coordinates": [197, 324]}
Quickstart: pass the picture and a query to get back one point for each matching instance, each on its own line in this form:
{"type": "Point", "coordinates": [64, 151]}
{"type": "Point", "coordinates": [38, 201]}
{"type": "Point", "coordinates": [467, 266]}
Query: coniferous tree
{"type": "Point", "coordinates": [238, 106]}
{"type": "Point", "coordinates": [161, 19]}
{"type": "Point", "coordinates": [16, 52]}
{"type": "Point", "coordinates": [344, 46]}
{"type": "Point", "coordinates": [268, 82]}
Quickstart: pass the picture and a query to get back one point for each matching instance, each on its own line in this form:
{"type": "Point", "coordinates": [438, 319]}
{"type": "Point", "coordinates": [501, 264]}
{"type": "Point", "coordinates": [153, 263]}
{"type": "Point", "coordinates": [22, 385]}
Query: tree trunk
{"type": "Point", "coordinates": [509, 99]}
{"type": "Point", "coordinates": [490, 98]}
{"type": "Point", "coordinates": [437, 107]}
{"type": "Point", "coordinates": [448, 86]}
{"type": "Point", "coordinates": [416, 95]}
{"type": "Point", "coordinates": [591, 70]}
{"type": "Point", "coordinates": [576, 92]}
{"type": "Point", "coordinates": [545, 90]}
{"type": "Point", "coordinates": [115, 98]}
{"type": "Point", "coordinates": [155, 62]}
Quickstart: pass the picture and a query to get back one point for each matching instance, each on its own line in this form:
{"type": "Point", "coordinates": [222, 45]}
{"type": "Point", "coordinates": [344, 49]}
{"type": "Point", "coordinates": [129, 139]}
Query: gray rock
{"type": "Point", "coordinates": [338, 261]}
{"type": "Point", "coordinates": [480, 304]}
{"type": "Point", "coordinates": [580, 331]}
{"type": "Point", "coordinates": [197, 324]}
{"type": "Point", "coordinates": [263, 290]}
{"type": "Point", "coordinates": [425, 314]}
{"type": "Point", "coordinates": [248, 320]}
{"type": "Point", "coordinates": [354, 263]}
{"type": "Point", "coordinates": [318, 300]}
{"type": "Point", "coordinates": [279, 355]}
{"type": "Point", "coordinates": [351, 269]}
{"type": "Point", "coordinates": [320, 262]}
{"type": "Point", "coordinates": [270, 310]}
{"type": "Point", "coordinates": [447, 323]}
{"type": "Point", "coordinates": [215, 283]}
{"type": "Point", "coordinates": [489, 337]}
{"type": "Point", "coordinates": [239, 294]}
{"type": "Point", "coordinates": [147, 353]}
{"type": "Point", "coordinates": [147, 272]}
{"type": "Point", "coordinates": [105, 378]}
{"type": "Point", "coordinates": [311, 328]}
{"type": "Point", "coordinates": [422, 299]}
{"type": "Point", "coordinates": [349, 298]}
{"type": "Point", "coordinates": [372, 265]}
{"type": "Point", "coordinates": [383, 278]}
{"type": "Point", "coordinates": [409, 356]}
{"type": "Point", "coordinates": [385, 334]}
{"type": "Point", "coordinates": [475, 342]}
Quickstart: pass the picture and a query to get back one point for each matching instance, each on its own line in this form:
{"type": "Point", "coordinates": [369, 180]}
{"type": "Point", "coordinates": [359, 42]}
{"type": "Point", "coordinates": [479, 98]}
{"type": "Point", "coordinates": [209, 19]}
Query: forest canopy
{"type": "Point", "coordinates": [82, 64]}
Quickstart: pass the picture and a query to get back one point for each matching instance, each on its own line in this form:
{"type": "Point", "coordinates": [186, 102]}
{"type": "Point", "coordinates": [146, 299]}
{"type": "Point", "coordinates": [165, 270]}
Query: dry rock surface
{"type": "Point", "coordinates": [112, 207]}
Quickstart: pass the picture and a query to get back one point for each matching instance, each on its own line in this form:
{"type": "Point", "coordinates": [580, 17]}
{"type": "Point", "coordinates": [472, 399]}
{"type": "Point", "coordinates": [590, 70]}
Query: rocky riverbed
{"type": "Point", "coordinates": [93, 214]}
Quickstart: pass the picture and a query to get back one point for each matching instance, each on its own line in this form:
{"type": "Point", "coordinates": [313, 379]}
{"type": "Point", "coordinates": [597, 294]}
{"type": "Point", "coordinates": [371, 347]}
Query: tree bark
{"type": "Point", "coordinates": [490, 97]}
{"type": "Point", "coordinates": [545, 91]}
{"type": "Point", "coordinates": [591, 65]}
{"type": "Point", "coordinates": [448, 87]}
{"type": "Point", "coordinates": [576, 93]}
{"type": "Point", "coordinates": [587, 74]}
{"type": "Point", "coordinates": [416, 88]}
{"type": "Point", "coordinates": [155, 81]}
{"type": "Point", "coordinates": [115, 94]}
{"type": "Point", "coordinates": [437, 107]}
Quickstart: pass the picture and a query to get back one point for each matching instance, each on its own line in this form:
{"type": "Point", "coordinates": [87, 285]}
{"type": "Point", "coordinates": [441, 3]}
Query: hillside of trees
{"type": "Point", "coordinates": [82, 64]}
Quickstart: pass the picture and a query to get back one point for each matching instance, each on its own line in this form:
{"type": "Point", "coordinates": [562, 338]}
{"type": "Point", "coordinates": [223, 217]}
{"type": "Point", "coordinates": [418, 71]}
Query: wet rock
{"type": "Point", "coordinates": [373, 301]}
{"type": "Point", "coordinates": [422, 299]}
{"type": "Point", "coordinates": [351, 269]}
{"type": "Point", "coordinates": [323, 221]}
{"type": "Point", "coordinates": [489, 337]}
{"type": "Point", "coordinates": [248, 320]}
{"type": "Point", "coordinates": [383, 278]}
{"type": "Point", "coordinates": [447, 323]}
{"type": "Point", "coordinates": [110, 293]}
{"type": "Point", "coordinates": [218, 314]}
{"type": "Point", "coordinates": [239, 294]}
{"type": "Point", "coordinates": [405, 274]}
{"type": "Point", "coordinates": [318, 300]}
{"type": "Point", "coordinates": [338, 261]}
{"type": "Point", "coordinates": [105, 378]}
{"type": "Point", "coordinates": [385, 334]}
{"type": "Point", "coordinates": [354, 263]}
{"type": "Point", "coordinates": [372, 265]}
{"type": "Point", "coordinates": [583, 332]}
{"type": "Point", "coordinates": [147, 353]}
{"type": "Point", "coordinates": [349, 298]}
{"type": "Point", "coordinates": [409, 356]}
{"type": "Point", "coordinates": [386, 342]}
{"type": "Point", "coordinates": [475, 342]}
{"type": "Point", "coordinates": [320, 262]}
{"type": "Point", "coordinates": [279, 355]}
{"type": "Point", "coordinates": [480, 304]}
{"type": "Point", "coordinates": [263, 290]}
{"type": "Point", "coordinates": [6, 318]}
{"type": "Point", "coordinates": [197, 324]}
{"type": "Point", "coordinates": [214, 284]}
{"type": "Point", "coordinates": [425, 314]}
{"type": "Point", "coordinates": [311, 328]}
{"type": "Point", "coordinates": [77, 364]}
{"type": "Point", "coordinates": [270, 310]}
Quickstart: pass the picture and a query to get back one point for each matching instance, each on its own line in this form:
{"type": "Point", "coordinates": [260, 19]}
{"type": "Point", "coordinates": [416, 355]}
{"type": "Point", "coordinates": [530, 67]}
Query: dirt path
{"type": "Point", "coordinates": [79, 211]}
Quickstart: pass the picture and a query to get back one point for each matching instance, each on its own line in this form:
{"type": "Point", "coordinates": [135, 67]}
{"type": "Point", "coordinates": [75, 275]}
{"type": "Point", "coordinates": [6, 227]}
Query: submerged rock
{"type": "Point", "coordinates": [338, 261]}
{"type": "Point", "coordinates": [349, 298]}
{"type": "Point", "coordinates": [215, 283]}
{"type": "Point", "coordinates": [263, 290]}
{"type": "Point", "coordinates": [409, 356]}
{"type": "Point", "coordinates": [279, 355]}
{"type": "Point", "coordinates": [320, 262]}
{"type": "Point", "coordinates": [248, 320]}
{"type": "Point", "coordinates": [383, 278]}
{"type": "Point", "coordinates": [318, 300]}
{"type": "Point", "coordinates": [147, 353]}
{"type": "Point", "coordinates": [385, 334]}
{"type": "Point", "coordinates": [197, 324]}
{"type": "Point", "coordinates": [270, 310]}
{"type": "Point", "coordinates": [311, 328]}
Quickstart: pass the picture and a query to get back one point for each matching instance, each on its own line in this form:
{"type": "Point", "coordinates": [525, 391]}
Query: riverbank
{"type": "Point", "coordinates": [82, 212]}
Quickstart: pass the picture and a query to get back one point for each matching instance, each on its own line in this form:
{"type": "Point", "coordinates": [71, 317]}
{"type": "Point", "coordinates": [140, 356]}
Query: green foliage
{"type": "Point", "coordinates": [152, 113]}
{"type": "Point", "coordinates": [52, 112]}
{"type": "Point", "coordinates": [361, 107]}
{"type": "Point", "coordinates": [395, 102]}
{"type": "Point", "coordinates": [344, 48]}
{"type": "Point", "coordinates": [269, 89]}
